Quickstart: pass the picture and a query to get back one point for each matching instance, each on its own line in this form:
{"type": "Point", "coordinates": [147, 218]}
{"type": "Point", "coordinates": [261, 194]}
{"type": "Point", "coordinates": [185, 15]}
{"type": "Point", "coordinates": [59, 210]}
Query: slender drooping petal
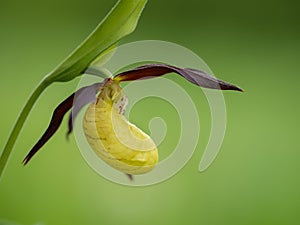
{"type": "Point", "coordinates": [83, 96]}
{"type": "Point", "coordinates": [55, 122]}
{"type": "Point", "coordinates": [195, 76]}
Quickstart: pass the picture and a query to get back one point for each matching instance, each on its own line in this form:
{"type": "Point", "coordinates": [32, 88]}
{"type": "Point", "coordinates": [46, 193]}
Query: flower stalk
{"type": "Point", "coordinates": [19, 124]}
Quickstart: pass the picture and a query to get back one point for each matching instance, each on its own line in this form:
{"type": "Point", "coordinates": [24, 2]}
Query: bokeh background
{"type": "Point", "coordinates": [255, 178]}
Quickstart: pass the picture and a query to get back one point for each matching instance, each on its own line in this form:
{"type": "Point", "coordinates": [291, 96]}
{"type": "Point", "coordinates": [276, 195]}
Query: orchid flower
{"type": "Point", "coordinates": [98, 120]}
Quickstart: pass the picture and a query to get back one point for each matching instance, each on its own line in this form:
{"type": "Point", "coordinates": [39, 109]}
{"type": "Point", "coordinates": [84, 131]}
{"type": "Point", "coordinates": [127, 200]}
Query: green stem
{"type": "Point", "coordinates": [19, 124]}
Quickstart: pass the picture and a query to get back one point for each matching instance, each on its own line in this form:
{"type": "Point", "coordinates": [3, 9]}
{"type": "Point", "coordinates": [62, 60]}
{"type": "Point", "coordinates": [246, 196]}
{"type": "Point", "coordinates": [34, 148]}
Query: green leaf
{"type": "Point", "coordinates": [120, 22]}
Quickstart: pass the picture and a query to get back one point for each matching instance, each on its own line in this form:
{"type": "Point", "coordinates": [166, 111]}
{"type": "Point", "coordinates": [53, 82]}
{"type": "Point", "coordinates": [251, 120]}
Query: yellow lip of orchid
{"type": "Point", "coordinates": [115, 140]}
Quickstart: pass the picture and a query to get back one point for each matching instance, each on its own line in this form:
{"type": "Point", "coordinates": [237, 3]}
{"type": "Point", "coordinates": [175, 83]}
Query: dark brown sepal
{"type": "Point", "coordinates": [195, 76]}
{"type": "Point", "coordinates": [82, 97]}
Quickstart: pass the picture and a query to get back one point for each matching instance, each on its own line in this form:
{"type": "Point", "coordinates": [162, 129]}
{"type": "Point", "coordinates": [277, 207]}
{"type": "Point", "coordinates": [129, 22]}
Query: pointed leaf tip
{"type": "Point", "coordinates": [120, 22]}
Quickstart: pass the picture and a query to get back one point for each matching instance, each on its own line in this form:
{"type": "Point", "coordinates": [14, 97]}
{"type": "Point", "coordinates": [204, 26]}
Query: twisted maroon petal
{"type": "Point", "coordinates": [83, 96]}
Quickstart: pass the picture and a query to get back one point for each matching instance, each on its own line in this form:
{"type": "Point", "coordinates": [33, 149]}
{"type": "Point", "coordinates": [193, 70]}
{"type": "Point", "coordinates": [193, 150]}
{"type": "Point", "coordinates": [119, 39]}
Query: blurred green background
{"type": "Point", "coordinates": [255, 178]}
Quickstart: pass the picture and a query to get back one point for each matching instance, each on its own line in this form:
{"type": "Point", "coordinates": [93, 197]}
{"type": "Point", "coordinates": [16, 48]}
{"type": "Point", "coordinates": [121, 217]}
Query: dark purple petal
{"type": "Point", "coordinates": [55, 122]}
{"type": "Point", "coordinates": [144, 72]}
{"type": "Point", "coordinates": [83, 97]}
{"type": "Point", "coordinates": [195, 76]}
